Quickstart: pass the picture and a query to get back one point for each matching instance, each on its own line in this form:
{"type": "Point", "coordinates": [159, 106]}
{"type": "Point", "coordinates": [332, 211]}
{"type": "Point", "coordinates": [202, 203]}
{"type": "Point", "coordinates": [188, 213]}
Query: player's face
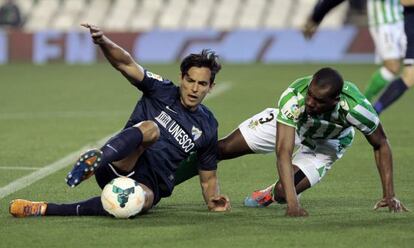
{"type": "Point", "coordinates": [194, 86]}
{"type": "Point", "coordinates": [319, 101]}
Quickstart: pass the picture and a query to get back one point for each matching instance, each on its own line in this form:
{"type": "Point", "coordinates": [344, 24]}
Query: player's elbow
{"type": "Point", "coordinates": [121, 67]}
{"type": "Point", "coordinates": [282, 151]}
{"type": "Point", "coordinates": [123, 61]}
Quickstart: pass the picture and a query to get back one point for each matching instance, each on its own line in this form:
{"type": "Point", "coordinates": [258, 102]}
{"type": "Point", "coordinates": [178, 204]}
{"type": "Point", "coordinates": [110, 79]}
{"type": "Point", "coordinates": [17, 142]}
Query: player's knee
{"type": "Point", "coordinates": [150, 131]}
{"type": "Point", "coordinates": [279, 193]}
{"type": "Point", "coordinates": [393, 66]}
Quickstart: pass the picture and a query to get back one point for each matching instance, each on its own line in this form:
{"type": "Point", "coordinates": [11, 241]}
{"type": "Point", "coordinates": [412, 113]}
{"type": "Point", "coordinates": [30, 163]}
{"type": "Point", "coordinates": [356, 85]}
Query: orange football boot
{"type": "Point", "coordinates": [260, 198]}
{"type": "Point", "coordinates": [23, 208]}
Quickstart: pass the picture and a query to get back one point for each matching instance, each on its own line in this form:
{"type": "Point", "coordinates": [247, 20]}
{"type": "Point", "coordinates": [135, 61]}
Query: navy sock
{"type": "Point", "coordinates": [90, 207]}
{"type": "Point", "coordinates": [390, 95]}
{"type": "Point", "coordinates": [121, 145]}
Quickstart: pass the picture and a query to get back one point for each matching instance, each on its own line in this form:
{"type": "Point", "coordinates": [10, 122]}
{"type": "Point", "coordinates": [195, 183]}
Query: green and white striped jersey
{"type": "Point", "coordinates": [353, 110]}
{"type": "Point", "coordinates": [384, 12]}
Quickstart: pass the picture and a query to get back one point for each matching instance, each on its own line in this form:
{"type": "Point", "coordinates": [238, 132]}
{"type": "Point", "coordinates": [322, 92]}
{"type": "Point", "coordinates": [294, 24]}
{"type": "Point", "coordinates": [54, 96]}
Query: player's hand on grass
{"type": "Point", "coordinates": [309, 29]}
{"type": "Point", "coordinates": [394, 205]}
{"type": "Point", "coordinates": [296, 211]}
{"type": "Point", "coordinates": [96, 33]}
{"type": "Point", "coordinates": [219, 203]}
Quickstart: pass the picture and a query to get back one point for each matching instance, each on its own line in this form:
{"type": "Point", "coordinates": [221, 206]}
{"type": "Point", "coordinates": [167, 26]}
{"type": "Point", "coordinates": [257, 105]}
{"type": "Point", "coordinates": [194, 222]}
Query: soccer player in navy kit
{"type": "Point", "coordinates": [167, 125]}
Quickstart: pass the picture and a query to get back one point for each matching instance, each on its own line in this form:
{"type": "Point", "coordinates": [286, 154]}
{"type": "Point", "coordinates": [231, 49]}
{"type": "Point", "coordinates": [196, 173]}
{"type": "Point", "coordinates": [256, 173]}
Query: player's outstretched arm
{"type": "Point", "coordinates": [116, 55]}
{"type": "Point", "coordinates": [211, 192]}
{"type": "Point", "coordinates": [383, 159]}
{"type": "Point", "coordinates": [285, 143]}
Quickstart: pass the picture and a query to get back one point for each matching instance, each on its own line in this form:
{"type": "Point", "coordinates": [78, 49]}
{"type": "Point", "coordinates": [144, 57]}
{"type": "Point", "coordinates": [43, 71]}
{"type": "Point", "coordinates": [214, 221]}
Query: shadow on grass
{"type": "Point", "coordinates": [331, 215]}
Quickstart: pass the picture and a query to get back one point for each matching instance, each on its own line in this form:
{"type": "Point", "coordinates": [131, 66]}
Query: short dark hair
{"type": "Point", "coordinates": [207, 58]}
{"type": "Point", "coordinates": [328, 77]}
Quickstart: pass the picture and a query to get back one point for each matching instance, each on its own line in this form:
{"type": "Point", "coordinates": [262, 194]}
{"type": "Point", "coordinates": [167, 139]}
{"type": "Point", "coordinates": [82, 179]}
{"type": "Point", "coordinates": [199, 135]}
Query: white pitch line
{"type": "Point", "coordinates": [18, 168]}
{"type": "Point", "coordinates": [25, 181]}
{"type": "Point", "coordinates": [49, 169]}
{"type": "Point", "coordinates": [61, 114]}
{"type": "Point", "coordinates": [219, 89]}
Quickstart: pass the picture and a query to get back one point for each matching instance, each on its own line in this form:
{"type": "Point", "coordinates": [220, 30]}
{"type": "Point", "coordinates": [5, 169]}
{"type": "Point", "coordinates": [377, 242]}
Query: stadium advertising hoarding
{"type": "Point", "coordinates": [348, 44]}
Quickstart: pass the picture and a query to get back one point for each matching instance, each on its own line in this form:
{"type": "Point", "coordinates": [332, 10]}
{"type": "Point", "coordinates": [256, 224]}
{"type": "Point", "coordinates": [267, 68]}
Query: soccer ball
{"type": "Point", "coordinates": [123, 197]}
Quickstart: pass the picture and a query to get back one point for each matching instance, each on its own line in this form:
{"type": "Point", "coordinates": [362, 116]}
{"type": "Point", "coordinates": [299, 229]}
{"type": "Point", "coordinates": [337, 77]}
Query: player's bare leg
{"type": "Point", "coordinates": [382, 77]}
{"type": "Point", "coordinates": [301, 184]}
{"type": "Point", "coordinates": [393, 65]}
{"type": "Point", "coordinates": [275, 192]}
{"type": "Point", "coordinates": [232, 146]}
{"type": "Point", "coordinates": [400, 85]}
{"type": "Point", "coordinates": [408, 76]}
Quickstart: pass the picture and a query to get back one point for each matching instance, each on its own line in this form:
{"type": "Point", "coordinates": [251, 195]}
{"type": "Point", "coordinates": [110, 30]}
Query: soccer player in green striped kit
{"type": "Point", "coordinates": [317, 114]}
{"type": "Point", "coordinates": [386, 26]}
{"type": "Point", "coordinates": [401, 84]}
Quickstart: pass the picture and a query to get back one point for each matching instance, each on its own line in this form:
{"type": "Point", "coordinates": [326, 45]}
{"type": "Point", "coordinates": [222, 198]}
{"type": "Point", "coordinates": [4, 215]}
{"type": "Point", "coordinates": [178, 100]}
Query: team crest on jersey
{"type": "Point", "coordinates": [253, 124]}
{"type": "Point", "coordinates": [291, 112]}
{"type": "Point", "coordinates": [294, 109]}
{"type": "Point", "coordinates": [196, 133]}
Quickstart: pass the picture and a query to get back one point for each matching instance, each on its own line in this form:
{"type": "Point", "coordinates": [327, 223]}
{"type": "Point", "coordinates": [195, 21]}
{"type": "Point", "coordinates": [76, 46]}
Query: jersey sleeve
{"type": "Point", "coordinates": [288, 108]}
{"type": "Point", "coordinates": [151, 83]}
{"type": "Point", "coordinates": [207, 156]}
{"type": "Point", "coordinates": [322, 8]}
{"type": "Point", "coordinates": [363, 117]}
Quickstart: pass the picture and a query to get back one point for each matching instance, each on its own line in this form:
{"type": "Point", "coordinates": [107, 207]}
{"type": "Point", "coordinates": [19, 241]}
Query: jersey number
{"type": "Point", "coordinates": [267, 119]}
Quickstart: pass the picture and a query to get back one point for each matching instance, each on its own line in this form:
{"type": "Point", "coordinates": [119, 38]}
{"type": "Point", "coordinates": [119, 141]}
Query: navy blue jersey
{"type": "Point", "coordinates": [182, 131]}
{"type": "Point", "coordinates": [409, 32]}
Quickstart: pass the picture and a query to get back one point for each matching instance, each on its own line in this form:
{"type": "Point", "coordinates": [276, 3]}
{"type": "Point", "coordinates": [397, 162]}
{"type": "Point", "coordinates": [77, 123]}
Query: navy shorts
{"type": "Point", "coordinates": [143, 174]}
{"type": "Point", "coordinates": [409, 32]}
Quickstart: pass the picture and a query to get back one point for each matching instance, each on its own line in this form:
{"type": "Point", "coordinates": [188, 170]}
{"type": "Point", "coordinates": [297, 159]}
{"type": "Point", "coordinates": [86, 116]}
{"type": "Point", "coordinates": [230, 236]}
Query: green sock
{"type": "Point", "coordinates": [378, 81]}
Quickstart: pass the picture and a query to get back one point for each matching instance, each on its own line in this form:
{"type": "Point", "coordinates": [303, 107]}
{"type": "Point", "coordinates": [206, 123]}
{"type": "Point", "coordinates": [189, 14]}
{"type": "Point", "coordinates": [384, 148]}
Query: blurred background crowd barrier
{"type": "Point", "coordinates": [162, 31]}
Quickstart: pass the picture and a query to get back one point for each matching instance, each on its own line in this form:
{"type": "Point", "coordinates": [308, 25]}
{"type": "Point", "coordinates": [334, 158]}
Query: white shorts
{"type": "Point", "coordinates": [259, 133]}
{"type": "Point", "coordinates": [390, 41]}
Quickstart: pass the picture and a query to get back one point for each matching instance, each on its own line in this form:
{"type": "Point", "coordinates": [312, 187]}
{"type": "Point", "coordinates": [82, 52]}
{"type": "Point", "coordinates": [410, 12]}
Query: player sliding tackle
{"type": "Point", "coordinates": [316, 114]}
{"type": "Point", "coordinates": [168, 124]}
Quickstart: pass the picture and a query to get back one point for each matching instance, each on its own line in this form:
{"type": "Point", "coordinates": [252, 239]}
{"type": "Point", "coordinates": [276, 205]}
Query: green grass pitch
{"type": "Point", "coordinates": [47, 112]}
